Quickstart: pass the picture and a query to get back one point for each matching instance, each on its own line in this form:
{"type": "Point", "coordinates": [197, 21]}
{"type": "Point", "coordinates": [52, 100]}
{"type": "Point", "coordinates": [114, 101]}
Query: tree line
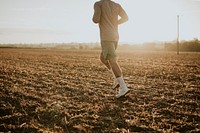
{"type": "Point", "coordinates": [185, 46]}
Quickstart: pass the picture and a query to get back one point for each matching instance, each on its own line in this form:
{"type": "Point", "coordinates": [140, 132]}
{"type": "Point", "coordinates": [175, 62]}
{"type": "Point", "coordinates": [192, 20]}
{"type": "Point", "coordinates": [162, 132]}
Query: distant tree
{"type": "Point", "coordinates": [193, 45]}
{"type": "Point", "coordinates": [190, 46]}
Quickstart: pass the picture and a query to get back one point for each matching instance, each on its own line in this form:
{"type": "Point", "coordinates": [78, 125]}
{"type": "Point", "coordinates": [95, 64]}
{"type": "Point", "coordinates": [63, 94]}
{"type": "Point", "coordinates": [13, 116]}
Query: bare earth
{"type": "Point", "coordinates": [70, 91]}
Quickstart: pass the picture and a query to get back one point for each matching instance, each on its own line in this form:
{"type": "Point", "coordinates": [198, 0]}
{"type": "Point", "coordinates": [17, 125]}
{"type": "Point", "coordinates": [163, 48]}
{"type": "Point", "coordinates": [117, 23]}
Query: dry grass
{"type": "Point", "coordinates": [70, 91]}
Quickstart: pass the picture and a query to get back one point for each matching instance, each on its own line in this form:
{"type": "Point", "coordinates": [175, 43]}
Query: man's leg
{"type": "Point", "coordinates": [118, 73]}
{"type": "Point", "coordinates": [115, 67]}
{"type": "Point", "coordinates": [108, 51]}
{"type": "Point", "coordinates": [107, 64]}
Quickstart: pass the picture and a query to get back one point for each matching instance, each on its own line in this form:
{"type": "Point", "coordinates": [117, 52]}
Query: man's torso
{"type": "Point", "coordinates": [109, 20]}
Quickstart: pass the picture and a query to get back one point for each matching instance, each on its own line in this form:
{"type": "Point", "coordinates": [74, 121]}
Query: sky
{"type": "Point", "coordinates": [61, 21]}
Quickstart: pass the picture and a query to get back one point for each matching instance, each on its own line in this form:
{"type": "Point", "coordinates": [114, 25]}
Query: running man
{"type": "Point", "coordinates": [109, 15]}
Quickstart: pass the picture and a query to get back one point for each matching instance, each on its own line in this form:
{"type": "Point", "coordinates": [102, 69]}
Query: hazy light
{"type": "Point", "coordinates": [36, 21]}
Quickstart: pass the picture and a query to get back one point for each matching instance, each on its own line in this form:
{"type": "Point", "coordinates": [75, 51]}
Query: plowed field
{"type": "Point", "coordinates": [70, 91]}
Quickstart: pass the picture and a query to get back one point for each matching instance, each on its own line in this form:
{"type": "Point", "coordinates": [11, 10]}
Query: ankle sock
{"type": "Point", "coordinates": [121, 81]}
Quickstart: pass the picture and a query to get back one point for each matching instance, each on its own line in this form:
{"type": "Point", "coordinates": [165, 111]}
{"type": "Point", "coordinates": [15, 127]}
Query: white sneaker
{"type": "Point", "coordinates": [123, 90]}
{"type": "Point", "coordinates": [115, 84]}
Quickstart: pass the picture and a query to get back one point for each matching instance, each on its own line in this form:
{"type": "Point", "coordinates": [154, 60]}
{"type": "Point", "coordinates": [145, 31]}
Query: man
{"type": "Point", "coordinates": [106, 13]}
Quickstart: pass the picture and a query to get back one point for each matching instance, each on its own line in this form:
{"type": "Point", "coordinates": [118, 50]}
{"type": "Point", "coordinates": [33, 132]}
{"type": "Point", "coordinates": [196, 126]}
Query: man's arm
{"type": "Point", "coordinates": [123, 15]}
{"type": "Point", "coordinates": [97, 13]}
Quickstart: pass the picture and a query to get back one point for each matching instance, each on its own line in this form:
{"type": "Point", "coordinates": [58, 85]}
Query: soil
{"type": "Point", "coordinates": [45, 90]}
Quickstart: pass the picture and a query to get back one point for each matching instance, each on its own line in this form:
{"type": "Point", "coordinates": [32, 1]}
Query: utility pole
{"type": "Point", "coordinates": [177, 34]}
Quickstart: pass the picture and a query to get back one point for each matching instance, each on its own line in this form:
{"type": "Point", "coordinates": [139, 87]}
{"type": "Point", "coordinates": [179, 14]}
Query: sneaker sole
{"type": "Point", "coordinates": [114, 87]}
{"type": "Point", "coordinates": [124, 94]}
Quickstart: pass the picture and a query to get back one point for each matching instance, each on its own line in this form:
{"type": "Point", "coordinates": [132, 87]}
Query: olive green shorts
{"type": "Point", "coordinates": [109, 49]}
